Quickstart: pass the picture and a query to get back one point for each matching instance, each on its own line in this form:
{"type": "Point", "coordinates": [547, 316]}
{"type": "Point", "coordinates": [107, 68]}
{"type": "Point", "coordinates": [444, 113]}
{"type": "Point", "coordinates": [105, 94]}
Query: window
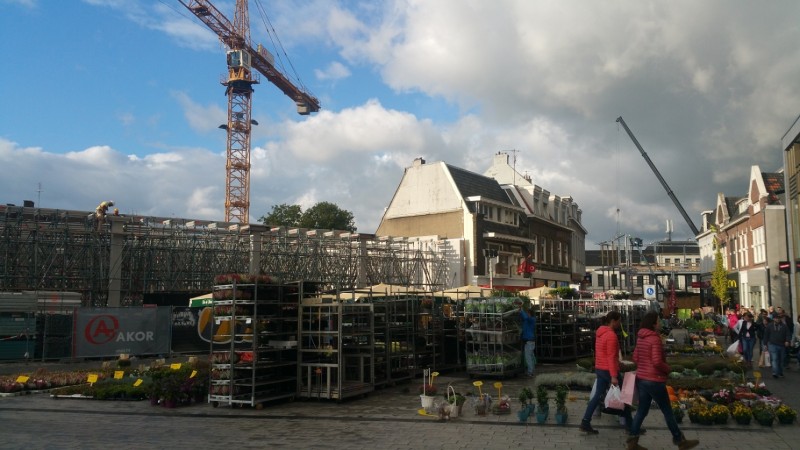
{"type": "Point", "coordinates": [759, 246]}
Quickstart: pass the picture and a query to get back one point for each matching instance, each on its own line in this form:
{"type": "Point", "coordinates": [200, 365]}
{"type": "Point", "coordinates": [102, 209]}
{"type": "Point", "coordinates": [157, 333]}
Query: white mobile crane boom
{"type": "Point", "coordinates": [660, 178]}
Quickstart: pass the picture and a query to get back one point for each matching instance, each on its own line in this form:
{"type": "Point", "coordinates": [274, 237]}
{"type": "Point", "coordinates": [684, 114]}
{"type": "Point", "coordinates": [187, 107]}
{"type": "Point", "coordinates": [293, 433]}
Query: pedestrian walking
{"type": "Point", "coordinates": [606, 367]}
{"type": "Point", "coordinates": [747, 337]}
{"type": "Point", "coordinates": [528, 336]}
{"type": "Point", "coordinates": [651, 383]}
{"type": "Point", "coordinates": [777, 339]}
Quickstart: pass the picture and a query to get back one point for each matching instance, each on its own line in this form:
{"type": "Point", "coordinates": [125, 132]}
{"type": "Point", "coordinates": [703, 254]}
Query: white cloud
{"type": "Point", "coordinates": [201, 118]}
{"type": "Point", "coordinates": [334, 71]}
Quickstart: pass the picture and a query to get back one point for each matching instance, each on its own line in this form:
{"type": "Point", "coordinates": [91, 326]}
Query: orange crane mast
{"type": "Point", "coordinates": [242, 58]}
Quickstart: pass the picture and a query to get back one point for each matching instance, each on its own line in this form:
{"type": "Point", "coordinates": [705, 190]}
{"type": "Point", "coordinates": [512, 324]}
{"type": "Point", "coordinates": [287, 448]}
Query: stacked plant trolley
{"type": "Point", "coordinates": [493, 346]}
{"type": "Point", "coordinates": [336, 349]}
{"type": "Point", "coordinates": [253, 332]}
{"type": "Point", "coordinates": [428, 334]}
{"type": "Point", "coordinates": [394, 338]}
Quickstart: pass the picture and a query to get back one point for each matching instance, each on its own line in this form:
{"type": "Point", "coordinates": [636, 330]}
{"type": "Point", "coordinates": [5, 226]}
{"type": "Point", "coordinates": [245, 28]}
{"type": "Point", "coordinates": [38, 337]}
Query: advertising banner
{"type": "Point", "coordinates": [113, 331]}
{"type": "Point", "coordinates": [186, 336]}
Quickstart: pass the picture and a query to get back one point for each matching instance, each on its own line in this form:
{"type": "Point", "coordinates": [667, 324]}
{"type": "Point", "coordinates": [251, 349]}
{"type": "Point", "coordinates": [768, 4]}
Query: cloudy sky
{"type": "Point", "coordinates": [121, 100]}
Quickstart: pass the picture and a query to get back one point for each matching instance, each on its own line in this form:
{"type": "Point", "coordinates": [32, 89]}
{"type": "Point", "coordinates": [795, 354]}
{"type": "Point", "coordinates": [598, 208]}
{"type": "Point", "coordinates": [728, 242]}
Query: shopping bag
{"type": "Point", "coordinates": [733, 348]}
{"type": "Point", "coordinates": [767, 359]}
{"type": "Point", "coordinates": [628, 393]}
{"type": "Point", "coordinates": [614, 398]}
{"type": "Point", "coordinates": [761, 360]}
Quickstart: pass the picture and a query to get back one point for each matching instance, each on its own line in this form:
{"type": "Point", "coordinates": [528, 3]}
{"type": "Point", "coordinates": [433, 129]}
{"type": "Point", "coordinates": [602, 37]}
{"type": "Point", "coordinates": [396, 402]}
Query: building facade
{"type": "Point", "coordinates": [507, 226]}
{"type": "Point", "coordinates": [751, 234]}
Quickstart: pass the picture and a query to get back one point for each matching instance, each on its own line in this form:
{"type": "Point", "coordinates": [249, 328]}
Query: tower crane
{"type": "Point", "coordinates": [660, 178]}
{"type": "Point", "coordinates": [242, 58]}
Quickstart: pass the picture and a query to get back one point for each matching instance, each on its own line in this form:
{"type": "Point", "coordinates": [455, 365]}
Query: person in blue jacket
{"type": "Point", "coordinates": [528, 335]}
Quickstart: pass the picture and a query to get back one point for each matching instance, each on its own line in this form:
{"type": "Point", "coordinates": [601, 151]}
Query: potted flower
{"type": "Point", "coordinates": [542, 407]}
{"type": "Point", "coordinates": [456, 401]}
{"type": "Point", "coordinates": [741, 413]}
{"type": "Point", "coordinates": [785, 414]}
{"type": "Point", "coordinates": [719, 414]}
{"type": "Point", "coordinates": [764, 414]}
{"type": "Point", "coordinates": [526, 407]}
{"type": "Point", "coordinates": [561, 404]}
{"type": "Point", "coordinates": [426, 394]}
{"type": "Point", "coordinates": [677, 411]}
{"type": "Point", "coordinates": [699, 413]}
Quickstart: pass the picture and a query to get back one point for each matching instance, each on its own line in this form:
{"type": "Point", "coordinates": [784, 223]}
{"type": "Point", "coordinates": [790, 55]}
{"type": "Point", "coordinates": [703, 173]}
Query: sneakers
{"type": "Point", "coordinates": [586, 427]}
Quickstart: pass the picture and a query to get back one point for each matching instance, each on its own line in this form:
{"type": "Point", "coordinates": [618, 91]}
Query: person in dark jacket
{"type": "Point", "coordinates": [747, 336]}
{"type": "Point", "coordinates": [777, 339]}
{"type": "Point", "coordinates": [651, 383]}
{"type": "Point", "coordinates": [528, 336]}
{"type": "Point", "coordinates": [606, 367]}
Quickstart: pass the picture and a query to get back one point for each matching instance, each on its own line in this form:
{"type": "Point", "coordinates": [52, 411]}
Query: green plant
{"type": "Point", "coordinates": [561, 398]}
{"type": "Point", "coordinates": [740, 411]}
{"type": "Point", "coordinates": [585, 364]}
{"type": "Point", "coordinates": [785, 414]}
{"type": "Point", "coordinates": [456, 399]}
{"type": "Point", "coordinates": [763, 413]}
{"type": "Point", "coordinates": [699, 413]}
{"type": "Point", "coordinates": [542, 397]}
{"type": "Point", "coordinates": [719, 414]}
{"type": "Point", "coordinates": [525, 396]}
{"type": "Point", "coordinates": [677, 410]}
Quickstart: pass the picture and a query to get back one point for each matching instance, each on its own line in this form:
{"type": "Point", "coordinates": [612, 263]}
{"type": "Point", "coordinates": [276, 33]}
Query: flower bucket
{"type": "Point", "coordinates": [427, 401]}
{"type": "Point", "coordinates": [541, 415]}
{"type": "Point", "coordinates": [451, 406]}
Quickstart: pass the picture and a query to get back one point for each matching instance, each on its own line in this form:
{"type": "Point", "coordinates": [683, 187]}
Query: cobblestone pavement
{"type": "Point", "coordinates": [387, 418]}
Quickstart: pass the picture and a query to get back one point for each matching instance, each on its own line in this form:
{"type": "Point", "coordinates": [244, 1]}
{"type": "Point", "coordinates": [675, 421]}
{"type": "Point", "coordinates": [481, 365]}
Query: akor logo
{"type": "Point", "coordinates": [101, 329]}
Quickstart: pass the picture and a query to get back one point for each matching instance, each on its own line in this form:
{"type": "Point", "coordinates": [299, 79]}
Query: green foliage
{"type": "Point", "coordinates": [719, 277]}
{"type": "Point", "coordinates": [695, 383]}
{"type": "Point", "coordinates": [561, 397]}
{"type": "Point", "coordinates": [585, 363]}
{"type": "Point", "coordinates": [706, 368]}
{"type": "Point", "coordinates": [283, 215]}
{"type": "Point", "coordinates": [563, 292]}
{"type": "Point", "coordinates": [542, 397]}
{"type": "Point", "coordinates": [325, 215]}
{"type": "Point", "coordinates": [525, 395]}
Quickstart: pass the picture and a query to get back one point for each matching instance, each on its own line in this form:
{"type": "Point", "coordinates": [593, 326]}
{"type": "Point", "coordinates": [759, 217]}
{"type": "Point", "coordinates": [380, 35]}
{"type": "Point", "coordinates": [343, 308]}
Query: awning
{"type": "Point", "coordinates": [202, 300]}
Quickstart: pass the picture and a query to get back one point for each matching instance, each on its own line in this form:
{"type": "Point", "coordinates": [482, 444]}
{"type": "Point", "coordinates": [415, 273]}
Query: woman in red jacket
{"type": "Point", "coordinates": [606, 367]}
{"type": "Point", "coordinates": [651, 382]}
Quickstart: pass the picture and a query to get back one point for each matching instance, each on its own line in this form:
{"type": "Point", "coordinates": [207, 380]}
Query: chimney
{"type": "Point", "coordinates": [501, 158]}
{"type": "Point", "coordinates": [418, 162]}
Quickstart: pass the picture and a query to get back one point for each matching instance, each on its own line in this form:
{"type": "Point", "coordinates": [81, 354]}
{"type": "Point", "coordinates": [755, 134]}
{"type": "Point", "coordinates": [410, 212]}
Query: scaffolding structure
{"type": "Point", "coordinates": [61, 250]}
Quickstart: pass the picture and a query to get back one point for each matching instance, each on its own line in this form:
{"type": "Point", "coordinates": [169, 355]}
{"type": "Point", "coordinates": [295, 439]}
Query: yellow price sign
{"type": "Point", "coordinates": [138, 382]}
{"type": "Point", "coordinates": [92, 378]}
{"type": "Point", "coordinates": [175, 366]}
{"type": "Point", "coordinates": [194, 373]}
{"type": "Point", "coordinates": [23, 379]}
{"type": "Point", "coordinates": [118, 374]}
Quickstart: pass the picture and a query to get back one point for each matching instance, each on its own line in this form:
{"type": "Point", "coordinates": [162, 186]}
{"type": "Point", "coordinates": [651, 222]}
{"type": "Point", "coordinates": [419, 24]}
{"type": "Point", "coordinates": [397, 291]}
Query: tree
{"type": "Point", "coordinates": [283, 215]}
{"type": "Point", "coordinates": [719, 277]}
{"type": "Point", "coordinates": [326, 215]}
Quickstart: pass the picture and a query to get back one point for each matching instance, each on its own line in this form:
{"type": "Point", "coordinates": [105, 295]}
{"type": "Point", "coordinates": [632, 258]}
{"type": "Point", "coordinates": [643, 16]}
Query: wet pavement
{"type": "Point", "coordinates": [386, 418]}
